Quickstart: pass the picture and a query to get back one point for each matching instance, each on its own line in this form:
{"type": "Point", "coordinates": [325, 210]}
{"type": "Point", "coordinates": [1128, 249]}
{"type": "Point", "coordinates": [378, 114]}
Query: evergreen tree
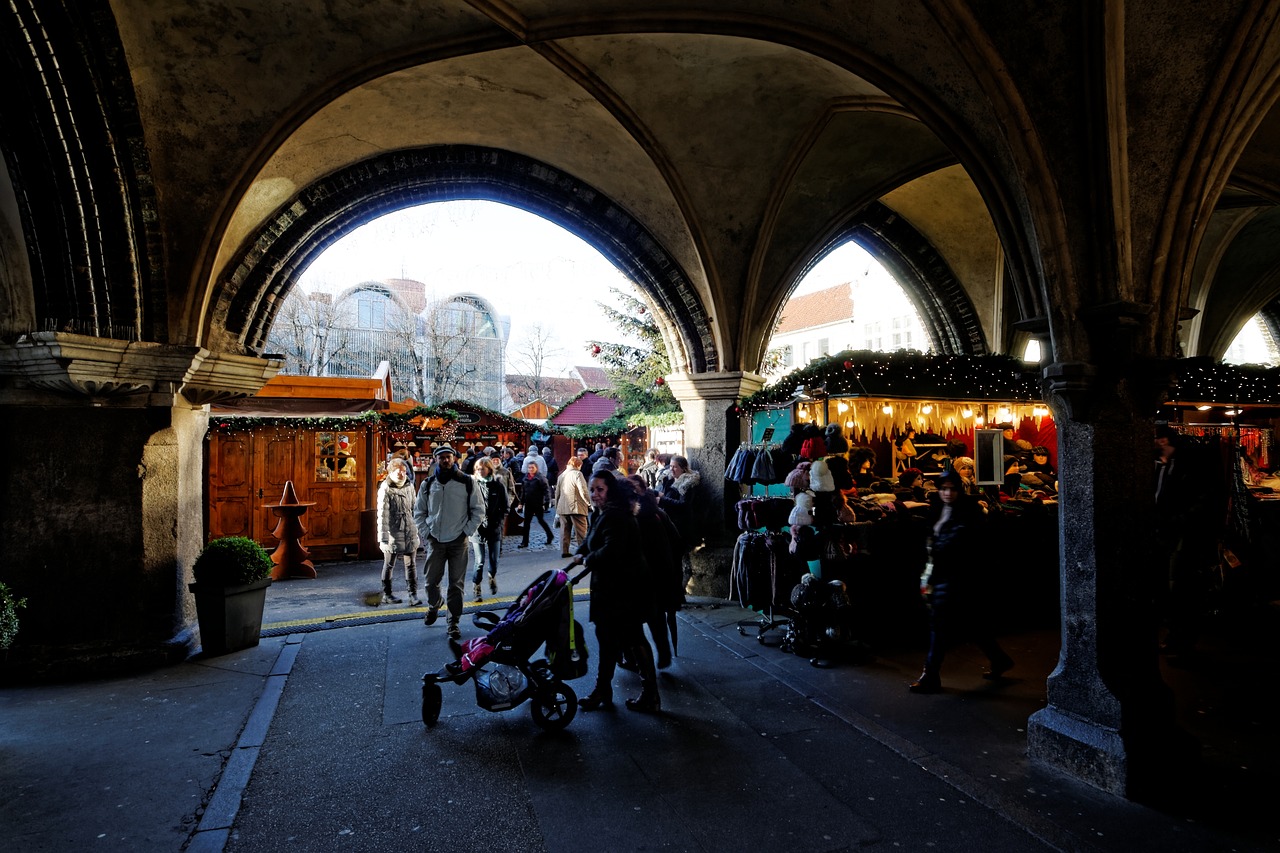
{"type": "Point", "coordinates": [637, 370]}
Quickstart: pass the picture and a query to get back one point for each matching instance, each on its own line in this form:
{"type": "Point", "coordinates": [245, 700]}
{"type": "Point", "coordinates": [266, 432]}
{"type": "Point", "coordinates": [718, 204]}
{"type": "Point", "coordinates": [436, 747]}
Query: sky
{"type": "Point", "coordinates": [530, 269]}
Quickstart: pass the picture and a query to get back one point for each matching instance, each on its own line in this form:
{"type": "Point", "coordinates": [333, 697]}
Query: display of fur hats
{"type": "Point", "coordinates": [840, 475]}
{"type": "Point", "coordinates": [820, 479]}
{"type": "Point", "coordinates": [836, 442]}
{"type": "Point", "coordinates": [802, 514]}
{"type": "Point", "coordinates": [795, 439]}
{"type": "Point", "coordinates": [815, 444]}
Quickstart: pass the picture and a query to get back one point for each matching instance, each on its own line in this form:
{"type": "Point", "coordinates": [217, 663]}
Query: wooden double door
{"type": "Point", "coordinates": [248, 470]}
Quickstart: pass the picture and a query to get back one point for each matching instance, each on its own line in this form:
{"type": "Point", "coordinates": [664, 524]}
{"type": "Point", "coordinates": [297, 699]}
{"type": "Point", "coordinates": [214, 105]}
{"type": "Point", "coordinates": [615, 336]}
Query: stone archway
{"type": "Point", "coordinates": [247, 300]}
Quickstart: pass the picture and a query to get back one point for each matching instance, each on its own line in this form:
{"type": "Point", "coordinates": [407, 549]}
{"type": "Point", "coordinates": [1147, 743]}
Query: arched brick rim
{"type": "Point", "coordinates": [948, 314]}
{"type": "Point", "coordinates": [331, 207]}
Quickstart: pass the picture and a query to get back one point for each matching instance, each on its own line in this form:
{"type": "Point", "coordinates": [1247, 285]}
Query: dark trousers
{"type": "Point", "coordinates": [530, 513]}
{"type": "Point", "coordinates": [616, 640]}
{"type": "Point", "coordinates": [949, 626]}
{"type": "Point", "coordinates": [657, 622]}
{"type": "Point", "coordinates": [439, 555]}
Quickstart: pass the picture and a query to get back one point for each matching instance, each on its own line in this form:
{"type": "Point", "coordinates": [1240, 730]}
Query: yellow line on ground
{"type": "Point", "coordinates": [378, 611]}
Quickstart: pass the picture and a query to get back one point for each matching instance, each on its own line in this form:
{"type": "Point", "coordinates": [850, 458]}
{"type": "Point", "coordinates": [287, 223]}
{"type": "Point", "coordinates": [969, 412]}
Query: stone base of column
{"type": "Point", "coordinates": [1148, 766]}
{"type": "Point", "coordinates": [1081, 748]}
{"type": "Point", "coordinates": [711, 572]}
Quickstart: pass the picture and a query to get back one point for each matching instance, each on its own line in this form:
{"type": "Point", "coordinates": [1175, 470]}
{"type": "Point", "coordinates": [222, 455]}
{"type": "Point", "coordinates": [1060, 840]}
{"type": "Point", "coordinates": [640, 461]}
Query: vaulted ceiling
{"type": "Point", "coordinates": [741, 138]}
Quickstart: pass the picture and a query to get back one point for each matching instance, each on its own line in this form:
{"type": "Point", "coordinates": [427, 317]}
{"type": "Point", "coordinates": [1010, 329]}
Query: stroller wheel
{"type": "Point", "coordinates": [432, 699]}
{"type": "Point", "coordinates": [554, 706]}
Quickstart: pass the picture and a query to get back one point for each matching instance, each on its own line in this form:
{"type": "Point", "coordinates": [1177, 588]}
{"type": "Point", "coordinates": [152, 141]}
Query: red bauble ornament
{"type": "Point", "coordinates": [659, 381]}
{"type": "Point", "coordinates": [848, 365]}
{"type": "Point", "coordinates": [641, 309]}
{"type": "Point", "coordinates": [595, 350]}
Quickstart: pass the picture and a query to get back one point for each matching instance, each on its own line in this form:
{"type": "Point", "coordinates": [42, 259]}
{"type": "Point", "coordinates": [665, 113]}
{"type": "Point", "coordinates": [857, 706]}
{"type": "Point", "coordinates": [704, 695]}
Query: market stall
{"type": "Point", "coordinates": [808, 511]}
{"type": "Point", "coordinates": [329, 436]}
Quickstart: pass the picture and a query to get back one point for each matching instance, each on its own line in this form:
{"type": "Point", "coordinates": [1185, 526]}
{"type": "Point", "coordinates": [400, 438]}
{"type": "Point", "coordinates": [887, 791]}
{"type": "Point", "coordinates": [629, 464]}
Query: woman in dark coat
{"type": "Point", "coordinates": [620, 592]}
{"type": "Point", "coordinates": [958, 600]}
{"type": "Point", "coordinates": [662, 551]}
{"type": "Point", "coordinates": [534, 497]}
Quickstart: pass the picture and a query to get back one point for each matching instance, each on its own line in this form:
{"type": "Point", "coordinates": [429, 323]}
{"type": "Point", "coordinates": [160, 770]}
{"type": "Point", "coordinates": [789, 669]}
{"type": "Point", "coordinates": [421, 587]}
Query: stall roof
{"type": "Point", "coordinates": [906, 375]}
{"type": "Point", "coordinates": [589, 408]}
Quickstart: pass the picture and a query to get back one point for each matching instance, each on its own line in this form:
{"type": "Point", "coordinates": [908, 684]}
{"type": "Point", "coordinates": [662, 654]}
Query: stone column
{"type": "Point", "coordinates": [1109, 719]}
{"type": "Point", "coordinates": [104, 494]}
{"type": "Point", "coordinates": [706, 399]}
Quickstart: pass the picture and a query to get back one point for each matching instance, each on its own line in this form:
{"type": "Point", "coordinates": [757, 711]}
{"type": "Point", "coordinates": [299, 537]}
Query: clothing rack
{"type": "Point", "coordinates": [755, 564]}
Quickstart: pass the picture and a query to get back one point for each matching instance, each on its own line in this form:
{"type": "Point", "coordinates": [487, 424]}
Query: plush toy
{"type": "Point", "coordinates": [820, 479]}
{"type": "Point", "coordinates": [836, 442]}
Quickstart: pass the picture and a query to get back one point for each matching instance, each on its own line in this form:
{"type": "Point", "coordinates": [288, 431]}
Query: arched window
{"type": "Point", "coordinates": [1253, 345]}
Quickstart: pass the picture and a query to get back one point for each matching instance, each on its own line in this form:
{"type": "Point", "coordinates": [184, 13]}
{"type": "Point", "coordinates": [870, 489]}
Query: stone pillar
{"type": "Point", "coordinates": [1109, 718]}
{"type": "Point", "coordinates": [706, 399]}
{"type": "Point", "coordinates": [103, 495]}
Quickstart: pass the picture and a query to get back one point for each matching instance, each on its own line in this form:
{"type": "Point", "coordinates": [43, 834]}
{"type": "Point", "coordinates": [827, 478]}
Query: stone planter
{"type": "Point", "coordinates": [230, 617]}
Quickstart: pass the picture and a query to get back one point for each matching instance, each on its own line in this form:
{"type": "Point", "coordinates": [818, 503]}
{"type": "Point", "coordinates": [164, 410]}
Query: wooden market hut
{"type": "Point", "coordinates": [329, 436]}
{"type": "Point", "coordinates": [582, 418]}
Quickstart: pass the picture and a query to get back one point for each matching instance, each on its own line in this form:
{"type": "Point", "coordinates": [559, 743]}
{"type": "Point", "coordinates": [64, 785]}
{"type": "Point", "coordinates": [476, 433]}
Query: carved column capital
{"type": "Point", "coordinates": [688, 387]}
{"type": "Point", "coordinates": [106, 371]}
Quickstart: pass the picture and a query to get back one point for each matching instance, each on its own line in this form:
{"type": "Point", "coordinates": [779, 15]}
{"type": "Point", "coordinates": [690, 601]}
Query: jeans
{"type": "Point", "coordinates": [486, 545]}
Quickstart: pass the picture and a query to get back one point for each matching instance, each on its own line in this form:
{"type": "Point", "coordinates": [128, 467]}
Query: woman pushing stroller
{"type": "Point", "coordinates": [620, 591]}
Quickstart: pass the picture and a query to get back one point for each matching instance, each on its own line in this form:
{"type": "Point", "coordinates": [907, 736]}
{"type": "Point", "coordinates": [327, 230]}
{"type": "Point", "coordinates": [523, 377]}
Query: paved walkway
{"type": "Point", "coordinates": [313, 741]}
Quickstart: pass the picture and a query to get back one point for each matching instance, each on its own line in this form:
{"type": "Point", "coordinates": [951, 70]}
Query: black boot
{"type": "Point", "coordinates": [648, 702]}
{"type": "Point", "coordinates": [387, 596]}
{"type": "Point", "coordinates": [599, 697]}
{"type": "Point", "coordinates": [928, 682]}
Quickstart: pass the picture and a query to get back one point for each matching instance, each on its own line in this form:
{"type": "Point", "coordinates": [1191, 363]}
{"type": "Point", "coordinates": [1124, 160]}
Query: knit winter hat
{"type": "Point", "coordinates": [798, 480]}
{"type": "Point", "coordinates": [803, 512]}
{"type": "Point", "coordinates": [820, 479]}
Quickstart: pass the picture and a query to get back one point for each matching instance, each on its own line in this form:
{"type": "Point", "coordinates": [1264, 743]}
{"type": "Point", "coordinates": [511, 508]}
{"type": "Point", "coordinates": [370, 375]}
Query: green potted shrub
{"type": "Point", "coordinates": [231, 579]}
{"type": "Point", "coordinates": [10, 604]}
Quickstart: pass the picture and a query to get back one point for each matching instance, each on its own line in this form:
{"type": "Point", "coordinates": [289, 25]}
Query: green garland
{"type": "Point", "coordinates": [909, 374]}
{"type": "Point", "coordinates": [1200, 380]}
{"type": "Point", "coordinates": [906, 374]}
{"type": "Point", "coordinates": [504, 423]}
{"type": "Point", "coordinates": [384, 421]}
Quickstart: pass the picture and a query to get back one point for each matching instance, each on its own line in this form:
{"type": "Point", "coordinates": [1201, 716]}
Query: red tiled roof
{"type": "Point", "coordinates": [817, 309]}
{"type": "Point", "coordinates": [590, 408]}
{"type": "Point", "coordinates": [594, 377]}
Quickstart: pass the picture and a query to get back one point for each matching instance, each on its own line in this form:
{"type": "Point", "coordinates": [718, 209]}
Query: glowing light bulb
{"type": "Point", "coordinates": [887, 409]}
{"type": "Point", "coordinates": [842, 407]}
{"type": "Point", "coordinates": [966, 412]}
{"type": "Point", "coordinates": [927, 408]}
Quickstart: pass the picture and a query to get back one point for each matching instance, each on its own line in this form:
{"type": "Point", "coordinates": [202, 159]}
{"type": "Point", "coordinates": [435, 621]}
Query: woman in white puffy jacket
{"type": "Point", "coordinates": [397, 534]}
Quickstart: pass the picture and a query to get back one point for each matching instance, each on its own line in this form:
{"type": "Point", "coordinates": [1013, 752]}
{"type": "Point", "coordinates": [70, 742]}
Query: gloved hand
{"type": "Point", "coordinates": [387, 548]}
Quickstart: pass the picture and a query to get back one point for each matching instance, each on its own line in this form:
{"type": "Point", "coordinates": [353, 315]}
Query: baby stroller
{"type": "Point", "coordinates": [499, 662]}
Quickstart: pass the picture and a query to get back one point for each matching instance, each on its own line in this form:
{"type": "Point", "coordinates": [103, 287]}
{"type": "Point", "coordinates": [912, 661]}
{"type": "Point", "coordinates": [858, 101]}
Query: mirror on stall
{"type": "Point", "coordinates": [988, 456]}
